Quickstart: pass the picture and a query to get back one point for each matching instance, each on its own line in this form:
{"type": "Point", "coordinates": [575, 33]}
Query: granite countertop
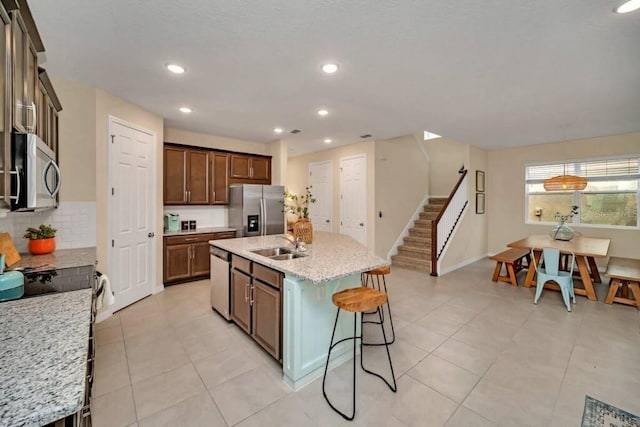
{"type": "Point", "coordinates": [62, 258]}
{"type": "Point", "coordinates": [43, 357]}
{"type": "Point", "coordinates": [201, 230]}
{"type": "Point", "coordinates": [330, 256]}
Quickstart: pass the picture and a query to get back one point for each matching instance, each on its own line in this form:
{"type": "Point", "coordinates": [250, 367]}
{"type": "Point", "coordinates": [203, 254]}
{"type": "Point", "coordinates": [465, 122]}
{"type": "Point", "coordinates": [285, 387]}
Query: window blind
{"type": "Point", "coordinates": [621, 168]}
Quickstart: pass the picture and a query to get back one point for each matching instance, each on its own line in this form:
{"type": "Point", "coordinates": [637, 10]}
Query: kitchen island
{"type": "Point", "coordinates": [331, 264]}
{"type": "Point", "coordinates": [43, 357]}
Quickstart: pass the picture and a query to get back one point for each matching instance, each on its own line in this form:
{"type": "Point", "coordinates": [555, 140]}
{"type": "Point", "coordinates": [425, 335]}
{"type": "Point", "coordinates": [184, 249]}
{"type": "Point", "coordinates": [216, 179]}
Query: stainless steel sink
{"type": "Point", "coordinates": [285, 257]}
{"type": "Point", "coordinates": [269, 252]}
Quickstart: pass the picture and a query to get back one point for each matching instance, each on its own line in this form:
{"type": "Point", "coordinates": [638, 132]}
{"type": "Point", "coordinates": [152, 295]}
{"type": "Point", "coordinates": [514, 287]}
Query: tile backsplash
{"type": "Point", "coordinates": [206, 216]}
{"type": "Point", "coordinates": [75, 221]}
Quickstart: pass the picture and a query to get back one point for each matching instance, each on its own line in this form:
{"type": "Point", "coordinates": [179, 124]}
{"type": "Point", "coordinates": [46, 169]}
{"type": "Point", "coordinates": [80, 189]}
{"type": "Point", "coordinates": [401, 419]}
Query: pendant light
{"type": "Point", "coordinates": [565, 182]}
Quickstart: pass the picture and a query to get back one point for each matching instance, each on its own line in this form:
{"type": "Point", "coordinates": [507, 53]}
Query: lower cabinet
{"type": "Point", "coordinates": [256, 304]}
{"type": "Point", "coordinates": [186, 258]}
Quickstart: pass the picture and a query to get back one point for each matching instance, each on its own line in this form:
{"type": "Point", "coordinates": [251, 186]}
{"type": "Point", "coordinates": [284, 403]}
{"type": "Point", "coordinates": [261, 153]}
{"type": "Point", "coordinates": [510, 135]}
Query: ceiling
{"type": "Point", "coordinates": [491, 73]}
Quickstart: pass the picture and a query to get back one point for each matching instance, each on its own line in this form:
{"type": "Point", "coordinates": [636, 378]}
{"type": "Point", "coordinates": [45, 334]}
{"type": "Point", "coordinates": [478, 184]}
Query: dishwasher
{"type": "Point", "coordinates": [220, 281]}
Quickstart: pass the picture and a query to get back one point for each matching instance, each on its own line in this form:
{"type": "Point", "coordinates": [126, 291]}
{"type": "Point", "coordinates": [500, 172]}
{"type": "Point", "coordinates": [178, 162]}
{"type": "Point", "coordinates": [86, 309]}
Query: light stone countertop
{"type": "Point", "coordinates": [201, 230]}
{"type": "Point", "coordinates": [330, 256]}
{"type": "Point", "coordinates": [43, 357]}
{"type": "Point", "coordinates": [58, 259]}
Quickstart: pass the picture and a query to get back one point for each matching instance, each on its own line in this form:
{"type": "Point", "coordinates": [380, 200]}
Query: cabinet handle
{"type": "Point", "coordinates": [214, 196]}
{"type": "Point", "coordinates": [246, 293]}
{"type": "Point", "coordinates": [189, 196]}
{"type": "Point", "coordinates": [251, 172]}
{"type": "Point", "coordinates": [186, 199]}
{"type": "Point", "coordinates": [190, 239]}
{"type": "Point", "coordinates": [251, 298]}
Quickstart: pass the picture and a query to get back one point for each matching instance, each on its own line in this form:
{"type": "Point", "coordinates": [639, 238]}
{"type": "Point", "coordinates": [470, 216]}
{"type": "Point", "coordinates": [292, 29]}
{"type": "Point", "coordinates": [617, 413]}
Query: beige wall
{"type": "Point", "coordinates": [298, 179]}
{"type": "Point", "coordinates": [446, 157]}
{"type": "Point", "coordinates": [506, 190]}
{"type": "Point", "coordinates": [77, 151]}
{"type": "Point", "coordinates": [469, 243]}
{"type": "Point", "coordinates": [108, 105]}
{"type": "Point", "coordinates": [401, 184]}
{"type": "Point", "coordinates": [278, 152]}
{"type": "Point", "coordinates": [181, 136]}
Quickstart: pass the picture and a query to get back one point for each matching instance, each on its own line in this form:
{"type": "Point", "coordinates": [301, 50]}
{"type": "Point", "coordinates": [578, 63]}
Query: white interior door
{"type": "Point", "coordinates": [353, 197]}
{"type": "Point", "coordinates": [132, 208]}
{"type": "Point", "coordinates": [321, 183]}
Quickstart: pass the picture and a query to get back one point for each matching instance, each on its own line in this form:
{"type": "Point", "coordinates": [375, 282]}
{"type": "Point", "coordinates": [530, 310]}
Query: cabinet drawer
{"type": "Point", "coordinates": [267, 275]}
{"type": "Point", "coordinates": [241, 264]}
{"type": "Point", "coordinates": [189, 238]}
{"type": "Point", "coordinates": [224, 235]}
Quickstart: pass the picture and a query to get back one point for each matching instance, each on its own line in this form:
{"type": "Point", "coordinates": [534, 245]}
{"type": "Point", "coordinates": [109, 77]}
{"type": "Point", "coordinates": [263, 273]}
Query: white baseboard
{"type": "Point", "coordinates": [405, 231]}
{"type": "Point", "coordinates": [104, 315]}
{"type": "Point", "coordinates": [461, 264]}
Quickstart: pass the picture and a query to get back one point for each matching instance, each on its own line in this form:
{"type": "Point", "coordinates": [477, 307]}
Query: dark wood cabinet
{"type": "Point", "coordinates": [219, 178]}
{"type": "Point", "coordinates": [256, 299]}
{"type": "Point", "coordinates": [47, 106]}
{"type": "Point", "coordinates": [5, 102]}
{"type": "Point", "coordinates": [240, 311]}
{"type": "Point", "coordinates": [186, 257]}
{"type": "Point", "coordinates": [266, 323]}
{"type": "Point", "coordinates": [248, 169]}
{"type": "Point", "coordinates": [186, 176]}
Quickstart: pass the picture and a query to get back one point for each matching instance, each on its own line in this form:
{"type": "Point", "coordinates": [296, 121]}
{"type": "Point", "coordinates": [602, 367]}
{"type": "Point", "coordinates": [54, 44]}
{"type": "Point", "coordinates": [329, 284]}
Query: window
{"type": "Point", "coordinates": [609, 200]}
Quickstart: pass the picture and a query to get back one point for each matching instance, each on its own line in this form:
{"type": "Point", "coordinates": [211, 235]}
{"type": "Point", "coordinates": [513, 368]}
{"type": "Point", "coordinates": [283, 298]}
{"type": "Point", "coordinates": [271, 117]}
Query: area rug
{"type": "Point", "coordinates": [600, 414]}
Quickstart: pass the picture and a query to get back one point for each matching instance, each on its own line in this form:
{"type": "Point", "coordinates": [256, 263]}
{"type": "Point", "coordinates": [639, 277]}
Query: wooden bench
{"type": "Point", "coordinates": [624, 274]}
{"type": "Point", "coordinates": [512, 259]}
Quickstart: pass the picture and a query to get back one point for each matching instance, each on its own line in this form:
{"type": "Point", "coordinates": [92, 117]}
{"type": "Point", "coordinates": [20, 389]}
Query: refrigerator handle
{"type": "Point", "coordinates": [263, 220]}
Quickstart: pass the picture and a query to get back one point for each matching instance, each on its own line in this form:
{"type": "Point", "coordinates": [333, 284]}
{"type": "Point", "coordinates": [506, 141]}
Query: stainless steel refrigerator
{"type": "Point", "coordinates": [256, 210]}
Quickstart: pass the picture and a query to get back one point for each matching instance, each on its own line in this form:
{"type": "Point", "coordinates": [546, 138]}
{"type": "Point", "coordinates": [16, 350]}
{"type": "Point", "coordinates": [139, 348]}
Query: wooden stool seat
{"type": "Point", "coordinates": [358, 300]}
{"type": "Point", "coordinates": [380, 270]}
{"type": "Point", "coordinates": [512, 259]}
{"type": "Point", "coordinates": [625, 275]}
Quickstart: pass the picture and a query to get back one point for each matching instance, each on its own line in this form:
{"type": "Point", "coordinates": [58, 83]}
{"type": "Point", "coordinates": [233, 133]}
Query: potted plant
{"type": "Point", "coordinates": [41, 240]}
{"type": "Point", "coordinates": [562, 231]}
{"type": "Point", "coordinates": [299, 206]}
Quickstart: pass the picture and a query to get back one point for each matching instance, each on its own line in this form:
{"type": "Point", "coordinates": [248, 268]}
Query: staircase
{"type": "Point", "coordinates": [415, 252]}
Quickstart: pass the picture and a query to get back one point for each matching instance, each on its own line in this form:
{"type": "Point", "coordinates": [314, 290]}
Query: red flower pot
{"type": "Point", "coordinates": [42, 246]}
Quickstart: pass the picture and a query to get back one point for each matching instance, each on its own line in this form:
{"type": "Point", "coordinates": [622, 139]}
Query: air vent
{"type": "Point", "coordinates": [366, 135]}
{"type": "Point", "coordinates": [295, 131]}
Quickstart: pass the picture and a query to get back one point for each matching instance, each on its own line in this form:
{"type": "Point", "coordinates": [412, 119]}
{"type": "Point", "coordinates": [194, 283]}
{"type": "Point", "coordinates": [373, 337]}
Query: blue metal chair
{"type": "Point", "coordinates": [551, 273]}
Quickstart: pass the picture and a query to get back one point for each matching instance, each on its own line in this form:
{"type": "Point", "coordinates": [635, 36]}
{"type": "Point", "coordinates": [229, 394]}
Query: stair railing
{"type": "Point", "coordinates": [442, 227]}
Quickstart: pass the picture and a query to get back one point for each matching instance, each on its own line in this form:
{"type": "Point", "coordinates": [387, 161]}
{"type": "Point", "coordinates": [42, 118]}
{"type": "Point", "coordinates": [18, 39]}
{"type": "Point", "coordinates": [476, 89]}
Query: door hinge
{"type": "Point", "coordinates": [113, 138]}
{"type": "Point", "coordinates": [341, 196]}
{"type": "Point", "coordinates": [113, 243]}
{"type": "Point", "coordinates": [113, 191]}
{"type": "Point", "coordinates": [340, 222]}
{"type": "Point", "coordinates": [310, 173]}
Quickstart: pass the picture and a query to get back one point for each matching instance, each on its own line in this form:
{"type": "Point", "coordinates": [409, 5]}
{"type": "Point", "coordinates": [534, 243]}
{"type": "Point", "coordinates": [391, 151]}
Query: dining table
{"type": "Point", "coordinates": [585, 249]}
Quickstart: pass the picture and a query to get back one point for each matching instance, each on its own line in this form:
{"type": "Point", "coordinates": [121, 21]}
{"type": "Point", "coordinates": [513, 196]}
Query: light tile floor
{"type": "Point", "coordinates": [469, 352]}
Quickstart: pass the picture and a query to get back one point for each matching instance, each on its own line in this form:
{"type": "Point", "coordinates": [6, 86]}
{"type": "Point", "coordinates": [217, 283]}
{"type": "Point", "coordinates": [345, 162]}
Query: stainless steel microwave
{"type": "Point", "coordinates": [35, 175]}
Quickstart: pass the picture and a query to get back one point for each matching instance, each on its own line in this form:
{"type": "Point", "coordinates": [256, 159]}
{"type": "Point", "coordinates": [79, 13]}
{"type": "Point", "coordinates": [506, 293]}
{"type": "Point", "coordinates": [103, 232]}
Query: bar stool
{"type": "Point", "coordinates": [357, 300]}
{"type": "Point", "coordinates": [380, 285]}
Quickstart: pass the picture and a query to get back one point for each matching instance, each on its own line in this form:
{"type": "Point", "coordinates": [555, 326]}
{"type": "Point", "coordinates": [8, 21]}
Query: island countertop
{"type": "Point", "coordinates": [331, 255]}
{"type": "Point", "coordinates": [43, 357]}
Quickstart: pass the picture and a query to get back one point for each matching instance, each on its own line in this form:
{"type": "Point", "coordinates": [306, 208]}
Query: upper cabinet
{"type": "Point", "coordinates": [249, 169]}
{"type": "Point", "coordinates": [197, 176]}
{"type": "Point", "coordinates": [47, 106]}
{"type": "Point", "coordinates": [5, 102]}
{"type": "Point", "coordinates": [186, 176]}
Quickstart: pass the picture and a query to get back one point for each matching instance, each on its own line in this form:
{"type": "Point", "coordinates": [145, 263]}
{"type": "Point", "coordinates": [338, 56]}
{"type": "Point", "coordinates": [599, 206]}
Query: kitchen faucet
{"type": "Point", "coordinates": [295, 241]}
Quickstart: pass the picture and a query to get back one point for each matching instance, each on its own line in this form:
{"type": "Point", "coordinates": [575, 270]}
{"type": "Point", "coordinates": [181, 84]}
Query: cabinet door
{"type": "Point", "coordinates": [200, 262]}
{"type": "Point", "coordinates": [240, 307]}
{"type": "Point", "coordinates": [240, 166]}
{"type": "Point", "coordinates": [175, 168]}
{"type": "Point", "coordinates": [198, 182]}
{"type": "Point", "coordinates": [42, 107]}
{"type": "Point", "coordinates": [5, 113]}
{"type": "Point", "coordinates": [219, 178]}
{"type": "Point", "coordinates": [261, 169]}
{"type": "Point", "coordinates": [31, 84]}
{"type": "Point", "coordinates": [177, 262]}
{"type": "Point", "coordinates": [19, 43]}
{"type": "Point", "coordinates": [266, 317]}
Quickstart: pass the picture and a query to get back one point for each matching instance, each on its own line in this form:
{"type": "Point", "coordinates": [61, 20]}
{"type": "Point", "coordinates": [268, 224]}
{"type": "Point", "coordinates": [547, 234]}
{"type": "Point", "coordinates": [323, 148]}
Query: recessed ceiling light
{"type": "Point", "coordinates": [175, 68]}
{"type": "Point", "coordinates": [278, 130]}
{"type": "Point", "coordinates": [430, 135]}
{"type": "Point", "coordinates": [328, 141]}
{"type": "Point", "coordinates": [323, 112]}
{"type": "Point", "coordinates": [628, 6]}
{"type": "Point", "coordinates": [330, 68]}
{"type": "Point", "coordinates": [185, 110]}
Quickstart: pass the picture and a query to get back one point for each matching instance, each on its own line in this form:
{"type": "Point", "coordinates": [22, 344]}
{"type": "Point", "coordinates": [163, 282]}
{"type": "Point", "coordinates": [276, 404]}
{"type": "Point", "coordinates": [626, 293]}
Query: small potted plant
{"type": "Point", "coordinates": [41, 240]}
{"type": "Point", "coordinates": [562, 231]}
{"type": "Point", "coordinates": [299, 206]}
